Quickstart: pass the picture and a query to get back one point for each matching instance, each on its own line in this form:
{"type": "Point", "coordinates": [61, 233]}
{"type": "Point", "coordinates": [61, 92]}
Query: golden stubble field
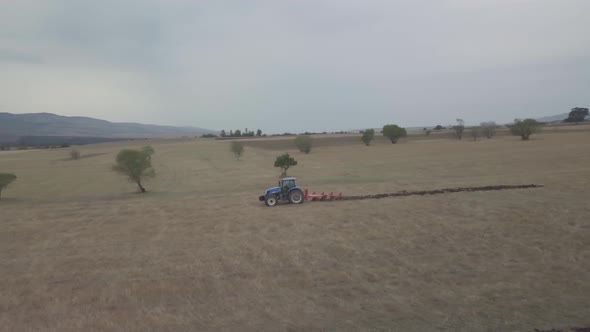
{"type": "Point", "coordinates": [80, 251]}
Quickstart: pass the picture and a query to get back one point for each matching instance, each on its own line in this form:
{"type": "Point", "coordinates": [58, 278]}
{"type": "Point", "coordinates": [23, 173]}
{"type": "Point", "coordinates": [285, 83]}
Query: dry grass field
{"type": "Point", "coordinates": [81, 251]}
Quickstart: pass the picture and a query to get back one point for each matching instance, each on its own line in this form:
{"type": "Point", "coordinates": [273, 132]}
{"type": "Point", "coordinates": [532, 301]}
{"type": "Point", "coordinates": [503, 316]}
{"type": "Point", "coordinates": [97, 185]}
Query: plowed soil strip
{"type": "Point", "coordinates": [442, 191]}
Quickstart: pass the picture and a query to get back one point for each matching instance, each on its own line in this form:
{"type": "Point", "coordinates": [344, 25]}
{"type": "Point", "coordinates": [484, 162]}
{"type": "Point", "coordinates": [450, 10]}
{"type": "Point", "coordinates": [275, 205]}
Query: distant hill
{"type": "Point", "coordinates": [553, 118]}
{"type": "Point", "coordinates": [15, 126]}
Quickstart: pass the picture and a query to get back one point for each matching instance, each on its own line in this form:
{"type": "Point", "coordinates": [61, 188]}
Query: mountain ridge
{"type": "Point", "coordinates": [13, 126]}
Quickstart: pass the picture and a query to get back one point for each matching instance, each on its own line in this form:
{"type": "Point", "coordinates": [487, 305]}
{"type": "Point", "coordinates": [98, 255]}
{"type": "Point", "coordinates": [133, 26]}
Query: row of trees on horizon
{"type": "Point", "coordinates": [576, 115]}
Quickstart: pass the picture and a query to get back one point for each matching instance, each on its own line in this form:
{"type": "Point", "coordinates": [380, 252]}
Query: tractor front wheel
{"type": "Point", "coordinates": [296, 196]}
{"type": "Point", "coordinates": [271, 201]}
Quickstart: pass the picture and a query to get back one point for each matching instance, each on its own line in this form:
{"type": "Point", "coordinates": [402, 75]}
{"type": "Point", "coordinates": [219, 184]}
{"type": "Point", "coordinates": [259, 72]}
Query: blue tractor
{"type": "Point", "coordinates": [287, 190]}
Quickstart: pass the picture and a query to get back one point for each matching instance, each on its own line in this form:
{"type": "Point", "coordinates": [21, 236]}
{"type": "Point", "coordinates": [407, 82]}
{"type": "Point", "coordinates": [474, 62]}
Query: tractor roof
{"type": "Point", "coordinates": [287, 179]}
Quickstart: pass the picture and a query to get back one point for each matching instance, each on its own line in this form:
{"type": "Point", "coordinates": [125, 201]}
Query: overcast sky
{"type": "Point", "coordinates": [295, 65]}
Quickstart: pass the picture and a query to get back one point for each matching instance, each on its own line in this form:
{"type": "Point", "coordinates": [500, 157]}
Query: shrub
{"type": "Point", "coordinates": [394, 132]}
{"type": "Point", "coordinates": [285, 161]}
{"type": "Point", "coordinates": [5, 180]}
{"type": "Point", "coordinates": [75, 154]}
{"type": "Point", "coordinates": [524, 128]}
{"type": "Point", "coordinates": [489, 128]}
{"type": "Point", "coordinates": [237, 148]}
{"type": "Point", "coordinates": [368, 136]}
{"type": "Point", "coordinates": [304, 143]}
{"type": "Point", "coordinates": [136, 165]}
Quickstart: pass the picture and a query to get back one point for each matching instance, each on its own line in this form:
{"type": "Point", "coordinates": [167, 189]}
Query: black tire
{"type": "Point", "coordinates": [271, 201]}
{"type": "Point", "coordinates": [296, 196]}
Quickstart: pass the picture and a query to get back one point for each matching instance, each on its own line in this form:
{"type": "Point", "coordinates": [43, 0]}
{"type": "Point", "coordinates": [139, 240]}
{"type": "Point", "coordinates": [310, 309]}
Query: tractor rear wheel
{"type": "Point", "coordinates": [296, 196]}
{"type": "Point", "coordinates": [271, 201]}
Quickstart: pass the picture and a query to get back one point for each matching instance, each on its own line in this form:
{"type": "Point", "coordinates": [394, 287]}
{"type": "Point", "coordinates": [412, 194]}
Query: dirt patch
{"type": "Point", "coordinates": [90, 155]}
{"type": "Point", "coordinates": [573, 329]}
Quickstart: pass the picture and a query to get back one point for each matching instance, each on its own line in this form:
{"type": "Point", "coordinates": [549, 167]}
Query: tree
{"type": "Point", "coordinates": [75, 154]}
{"type": "Point", "coordinates": [475, 131]}
{"type": "Point", "coordinates": [489, 128]}
{"type": "Point", "coordinates": [524, 128]}
{"type": "Point", "coordinates": [222, 133]}
{"type": "Point", "coordinates": [237, 133]}
{"type": "Point", "coordinates": [304, 143]}
{"type": "Point", "coordinates": [285, 161]}
{"type": "Point", "coordinates": [439, 127]}
{"type": "Point", "coordinates": [394, 132]}
{"type": "Point", "coordinates": [136, 165]}
{"type": "Point", "coordinates": [459, 128]}
{"type": "Point", "coordinates": [259, 132]}
{"type": "Point", "coordinates": [578, 114]}
{"type": "Point", "coordinates": [368, 136]}
{"type": "Point", "coordinates": [5, 180]}
{"type": "Point", "coordinates": [237, 148]}
{"type": "Point", "coordinates": [149, 151]}
{"type": "Point", "coordinates": [231, 133]}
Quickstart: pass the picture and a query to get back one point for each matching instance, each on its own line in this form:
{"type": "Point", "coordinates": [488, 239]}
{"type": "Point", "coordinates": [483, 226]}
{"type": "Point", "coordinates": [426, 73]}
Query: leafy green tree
{"type": "Point", "coordinates": [5, 180]}
{"type": "Point", "coordinates": [222, 134]}
{"type": "Point", "coordinates": [149, 151]}
{"type": "Point", "coordinates": [259, 132]}
{"type": "Point", "coordinates": [285, 161]}
{"type": "Point", "coordinates": [237, 133]}
{"type": "Point", "coordinates": [136, 165]}
{"type": "Point", "coordinates": [525, 128]}
{"type": "Point", "coordinates": [394, 132]}
{"type": "Point", "coordinates": [304, 143]}
{"type": "Point", "coordinates": [368, 136]}
{"type": "Point", "coordinates": [578, 114]}
{"type": "Point", "coordinates": [237, 148]}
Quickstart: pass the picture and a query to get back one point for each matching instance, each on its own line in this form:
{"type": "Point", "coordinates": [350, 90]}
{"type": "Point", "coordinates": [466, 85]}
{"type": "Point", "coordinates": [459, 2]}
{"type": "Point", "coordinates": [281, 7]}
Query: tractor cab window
{"type": "Point", "coordinates": [288, 184]}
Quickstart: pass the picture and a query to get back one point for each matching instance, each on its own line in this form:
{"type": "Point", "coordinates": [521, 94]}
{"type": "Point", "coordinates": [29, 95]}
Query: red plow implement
{"type": "Point", "coordinates": [322, 197]}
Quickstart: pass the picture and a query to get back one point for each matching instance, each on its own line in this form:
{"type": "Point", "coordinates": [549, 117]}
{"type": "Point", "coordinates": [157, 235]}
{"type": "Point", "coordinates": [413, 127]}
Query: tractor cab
{"type": "Point", "coordinates": [287, 183]}
{"type": "Point", "coordinates": [287, 190]}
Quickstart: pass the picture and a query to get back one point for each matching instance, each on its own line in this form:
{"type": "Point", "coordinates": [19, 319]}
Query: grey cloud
{"type": "Point", "coordinates": [15, 56]}
{"type": "Point", "coordinates": [295, 65]}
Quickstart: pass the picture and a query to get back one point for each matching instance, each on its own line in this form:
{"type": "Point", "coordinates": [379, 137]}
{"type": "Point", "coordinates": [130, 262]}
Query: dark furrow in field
{"type": "Point", "coordinates": [441, 191]}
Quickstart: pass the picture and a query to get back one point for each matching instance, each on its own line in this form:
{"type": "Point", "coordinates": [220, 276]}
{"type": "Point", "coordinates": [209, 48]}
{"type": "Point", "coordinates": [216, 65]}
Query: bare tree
{"type": "Point", "coordinates": [475, 132]}
{"type": "Point", "coordinates": [459, 128]}
{"type": "Point", "coordinates": [489, 128]}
